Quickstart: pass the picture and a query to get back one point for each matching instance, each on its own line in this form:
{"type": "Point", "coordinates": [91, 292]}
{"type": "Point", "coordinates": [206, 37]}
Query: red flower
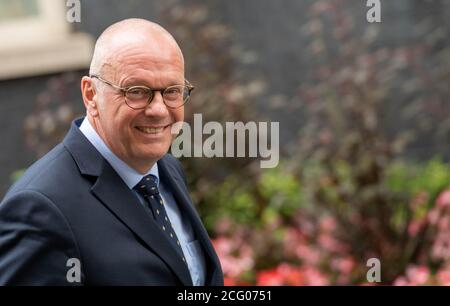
{"type": "Point", "coordinates": [284, 274]}
{"type": "Point", "coordinates": [269, 278]}
{"type": "Point", "coordinates": [228, 281]}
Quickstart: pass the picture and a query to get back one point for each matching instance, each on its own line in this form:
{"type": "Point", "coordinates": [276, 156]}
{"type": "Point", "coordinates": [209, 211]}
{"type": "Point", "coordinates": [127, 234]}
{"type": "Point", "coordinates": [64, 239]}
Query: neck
{"type": "Point", "coordinates": [142, 169]}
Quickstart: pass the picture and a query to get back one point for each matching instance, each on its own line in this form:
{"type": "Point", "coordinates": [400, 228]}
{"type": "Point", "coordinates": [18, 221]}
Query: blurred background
{"type": "Point", "coordinates": [364, 114]}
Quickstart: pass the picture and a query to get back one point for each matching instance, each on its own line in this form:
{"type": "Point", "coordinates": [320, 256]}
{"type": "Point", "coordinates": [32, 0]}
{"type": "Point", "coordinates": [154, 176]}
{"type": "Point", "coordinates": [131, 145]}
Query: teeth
{"type": "Point", "coordinates": [150, 130]}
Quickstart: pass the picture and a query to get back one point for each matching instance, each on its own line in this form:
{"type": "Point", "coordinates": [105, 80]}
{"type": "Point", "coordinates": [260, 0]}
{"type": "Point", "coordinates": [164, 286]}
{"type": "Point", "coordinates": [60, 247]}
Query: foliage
{"type": "Point", "coordinates": [357, 195]}
{"type": "Point", "coordinates": [295, 237]}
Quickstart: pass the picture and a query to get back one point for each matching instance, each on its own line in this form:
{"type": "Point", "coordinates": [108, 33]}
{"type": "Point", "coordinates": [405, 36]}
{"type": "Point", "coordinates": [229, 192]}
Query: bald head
{"type": "Point", "coordinates": [123, 37]}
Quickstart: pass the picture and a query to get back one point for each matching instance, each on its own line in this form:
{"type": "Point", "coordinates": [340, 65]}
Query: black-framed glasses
{"type": "Point", "coordinates": [139, 97]}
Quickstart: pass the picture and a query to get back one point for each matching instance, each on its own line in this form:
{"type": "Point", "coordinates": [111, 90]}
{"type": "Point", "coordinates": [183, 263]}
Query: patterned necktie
{"type": "Point", "coordinates": [148, 189]}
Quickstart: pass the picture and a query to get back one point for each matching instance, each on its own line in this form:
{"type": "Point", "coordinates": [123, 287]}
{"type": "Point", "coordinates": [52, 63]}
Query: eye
{"type": "Point", "coordinates": [137, 93]}
{"type": "Point", "coordinates": [173, 93]}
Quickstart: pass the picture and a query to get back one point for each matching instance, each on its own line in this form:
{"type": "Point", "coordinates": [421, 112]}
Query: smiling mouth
{"type": "Point", "coordinates": [151, 130]}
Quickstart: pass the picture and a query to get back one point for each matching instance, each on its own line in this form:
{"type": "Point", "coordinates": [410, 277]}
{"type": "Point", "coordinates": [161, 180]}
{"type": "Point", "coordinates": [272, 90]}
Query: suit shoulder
{"type": "Point", "coordinates": [33, 208]}
{"type": "Point", "coordinates": [44, 171]}
{"type": "Point", "coordinates": [35, 240]}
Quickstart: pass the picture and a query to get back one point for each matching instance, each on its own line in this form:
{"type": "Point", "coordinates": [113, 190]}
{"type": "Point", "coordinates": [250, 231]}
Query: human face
{"type": "Point", "coordinates": [139, 137]}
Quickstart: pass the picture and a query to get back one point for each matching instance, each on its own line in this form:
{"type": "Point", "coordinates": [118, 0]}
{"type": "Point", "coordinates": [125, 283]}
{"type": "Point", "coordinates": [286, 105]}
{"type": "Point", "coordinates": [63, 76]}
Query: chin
{"type": "Point", "coordinates": [156, 153]}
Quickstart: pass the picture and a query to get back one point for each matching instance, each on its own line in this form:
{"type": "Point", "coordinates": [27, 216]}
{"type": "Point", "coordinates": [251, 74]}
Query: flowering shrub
{"type": "Point", "coordinates": [347, 192]}
{"type": "Point", "coordinates": [310, 246]}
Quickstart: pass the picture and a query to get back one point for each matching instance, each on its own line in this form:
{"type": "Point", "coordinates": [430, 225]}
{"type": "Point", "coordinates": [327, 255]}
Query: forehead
{"type": "Point", "coordinates": [149, 63]}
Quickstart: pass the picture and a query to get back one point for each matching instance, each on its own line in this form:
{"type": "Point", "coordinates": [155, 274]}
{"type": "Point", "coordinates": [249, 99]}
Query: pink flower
{"type": "Point", "coordinates": [314, 277]}
{"type": "Point", "coordinates": [401, 281]}
{"type": "Point", "coordinates": [308, 254]}
{"type": "Point", "coordinates": [328, 224]}
{"type": "Point", "coordinates": [444, 224]}
{"type": "Point", "coordinates": [444, 199]}
{"type": "Point", "coordinates": [292, 239]}
{"type": "Point", "coordinates": [235, 257]}
{"type": "Point", "coordinates": [439, 251]}
{"type": "Point", "coordinates": [367, 284]}
{"type": "Point", "coordinates": [443, 277]}
{"type": "Point", "coordinates": [433, 216]}
{"type": "Point", "coordinates": [441, 246]}
{"type": "Point", "coordinates": [343, 265]}
{"type": "Point", "coordinates": [329, 243]}
{"type": "Point", "coordinates": [415, 226]}
{"type": "Point", "coordinates": [222, 245]}
{"type": "Point", "coordinates": [284, 274]}
{"type": "Point", "coordinates": [418, 275]}
{"type": "Point", "coordinates": [291, 275]}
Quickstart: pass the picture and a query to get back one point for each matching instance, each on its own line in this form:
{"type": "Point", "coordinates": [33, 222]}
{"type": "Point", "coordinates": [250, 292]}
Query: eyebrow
{"type": "Point", "coordinates": [141, 82]}
{"type": "Point", "coordinates": [133, 82]}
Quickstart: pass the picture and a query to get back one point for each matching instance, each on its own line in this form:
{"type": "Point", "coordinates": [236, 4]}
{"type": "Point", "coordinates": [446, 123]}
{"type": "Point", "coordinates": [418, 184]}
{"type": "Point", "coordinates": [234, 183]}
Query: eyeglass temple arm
{"type": "Point", "coordinates": [123, 90]}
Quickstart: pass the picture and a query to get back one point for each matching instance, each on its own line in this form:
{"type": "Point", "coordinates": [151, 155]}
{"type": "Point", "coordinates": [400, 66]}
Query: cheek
{"type": "Point", "coordinates": [120, 115]}
{"type": "Point", "coordinates": [178, 114]}
{"type": "Point", "coordinates": [108, 109]}
{"type": "Point", "coordinates": [119, 122]}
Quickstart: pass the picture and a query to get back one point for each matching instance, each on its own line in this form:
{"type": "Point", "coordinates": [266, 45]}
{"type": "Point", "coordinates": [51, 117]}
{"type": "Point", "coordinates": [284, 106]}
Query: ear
{"type": "Point", "coordinates": [89, 95]}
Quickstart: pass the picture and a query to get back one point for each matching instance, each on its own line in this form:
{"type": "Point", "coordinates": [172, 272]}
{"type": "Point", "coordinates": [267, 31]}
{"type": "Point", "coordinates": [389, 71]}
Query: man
{"type": "Point", "coordinates": [109, 206]}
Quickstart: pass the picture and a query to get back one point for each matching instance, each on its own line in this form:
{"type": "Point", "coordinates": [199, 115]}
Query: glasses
{"type": "Point", "coordinates": [139, 97]}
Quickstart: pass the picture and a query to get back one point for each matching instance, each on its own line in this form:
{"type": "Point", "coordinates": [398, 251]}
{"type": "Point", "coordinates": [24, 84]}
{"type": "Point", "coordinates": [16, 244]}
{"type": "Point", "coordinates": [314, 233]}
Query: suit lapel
{"type": "Point", "coordinates": [120, 200]}
{"type": "Point", "coordinates": [214, 275]}
{"type": "Point", "coordinates": [112, 191]}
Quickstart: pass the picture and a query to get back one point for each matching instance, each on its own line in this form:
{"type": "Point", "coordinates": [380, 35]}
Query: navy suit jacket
{"type": "Point", "coordinates": [72, 204]}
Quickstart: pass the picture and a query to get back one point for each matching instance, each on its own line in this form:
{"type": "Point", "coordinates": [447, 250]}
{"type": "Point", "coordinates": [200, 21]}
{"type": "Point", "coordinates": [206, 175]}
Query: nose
{"type": "Point", "coordinates": [157, 106]}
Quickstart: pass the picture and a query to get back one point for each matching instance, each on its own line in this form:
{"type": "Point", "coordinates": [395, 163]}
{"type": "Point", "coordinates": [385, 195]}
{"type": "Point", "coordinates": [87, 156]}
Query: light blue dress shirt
{"type": "Point", "coordinates": [191, 248]}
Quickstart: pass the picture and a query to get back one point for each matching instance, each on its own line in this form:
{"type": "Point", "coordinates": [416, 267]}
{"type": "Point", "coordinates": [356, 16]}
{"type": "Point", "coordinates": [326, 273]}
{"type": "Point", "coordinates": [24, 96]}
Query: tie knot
{"type": "Point", "coordinates": [147, 186]}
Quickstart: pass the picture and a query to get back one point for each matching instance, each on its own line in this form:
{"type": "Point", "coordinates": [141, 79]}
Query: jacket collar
{"type": "Point", "coordinates": [87, 158]}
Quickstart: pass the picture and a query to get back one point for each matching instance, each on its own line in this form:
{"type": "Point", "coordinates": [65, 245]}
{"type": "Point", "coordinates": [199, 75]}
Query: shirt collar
{"type": "Point", "coordinates": [130, 176]}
